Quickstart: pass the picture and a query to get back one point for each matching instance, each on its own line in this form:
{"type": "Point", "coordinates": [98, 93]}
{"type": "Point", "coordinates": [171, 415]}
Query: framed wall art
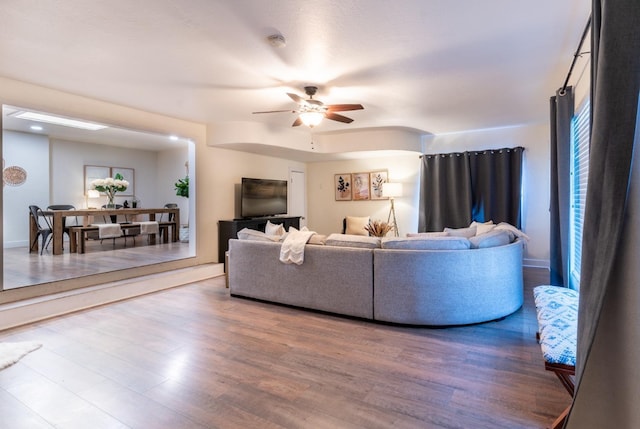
{"type": "Point", "coordinates": [342, 186]}
{"type": "Point", "coordinates": [377, 178]}
{"type": "Point", "coordinates": [129, 175]}
{"type": "Point", "coordinates": [93, 172]}
{"type": "Point", "coordinates": [360, 184]}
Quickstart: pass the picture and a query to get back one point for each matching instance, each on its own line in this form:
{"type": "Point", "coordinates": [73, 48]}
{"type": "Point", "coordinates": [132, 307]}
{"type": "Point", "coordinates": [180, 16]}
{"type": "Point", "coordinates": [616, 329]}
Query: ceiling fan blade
{"type": "Point", "coordinates": [339, 118]}
{"type": "Point", "coordinates": [276, 111]}
{"type": "Point", "coordinates": [344, 107]}
{"type": "Point", "coordinates": [297, 98]}
{"type": "Point", "coordinates": [297, 122]}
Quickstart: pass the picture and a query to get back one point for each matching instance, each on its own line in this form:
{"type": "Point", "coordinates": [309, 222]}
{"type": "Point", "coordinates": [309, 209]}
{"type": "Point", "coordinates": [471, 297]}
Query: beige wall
{"type": "Point", "coordinates": [325, 214]}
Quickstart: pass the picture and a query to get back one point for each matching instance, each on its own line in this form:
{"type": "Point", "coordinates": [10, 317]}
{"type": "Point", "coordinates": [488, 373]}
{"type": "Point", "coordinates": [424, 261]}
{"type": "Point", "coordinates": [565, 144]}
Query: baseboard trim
{"type": "Point", "coordinates": [535, 263]}
{"type": "Point", "coordinates": [36, 309]}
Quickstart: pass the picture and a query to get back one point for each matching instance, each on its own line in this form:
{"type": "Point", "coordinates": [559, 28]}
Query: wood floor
{"type": "Point", "coordinates": [193, 357]}
{"type": "Point", "coordinates": [22, 268]}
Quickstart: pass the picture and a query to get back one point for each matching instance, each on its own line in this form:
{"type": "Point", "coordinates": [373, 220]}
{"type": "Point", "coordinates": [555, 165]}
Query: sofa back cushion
{"type": "Point", "coordinates": [432, 243]}
{"type": "Point", "coordinates": [462, 232]}
{"type": "Point", "coordinates": [490, 239]}
{"type": "Point", "coordinates": [348, 240]}
{"type": "Point", "coordinates": [427, 234]}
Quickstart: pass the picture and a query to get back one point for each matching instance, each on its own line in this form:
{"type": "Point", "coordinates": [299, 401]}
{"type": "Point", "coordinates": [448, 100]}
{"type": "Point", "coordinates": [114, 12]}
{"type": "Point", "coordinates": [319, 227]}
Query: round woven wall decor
{"type": "Point", "coordinates": [14, 176]}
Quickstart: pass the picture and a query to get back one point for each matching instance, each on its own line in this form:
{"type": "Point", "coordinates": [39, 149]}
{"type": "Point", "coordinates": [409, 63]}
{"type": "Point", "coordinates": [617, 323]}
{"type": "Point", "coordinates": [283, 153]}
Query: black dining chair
{"type": "Point", "coordinates": [171, 215]}
{"type": "Point", "coordinates": [44, 229]}
{"type": "Point", "coordinates": [164, 226]}
{"type": "Point", "coordinates": [114, 218]}
{"type": "Point", "coordinates": [65, 228]}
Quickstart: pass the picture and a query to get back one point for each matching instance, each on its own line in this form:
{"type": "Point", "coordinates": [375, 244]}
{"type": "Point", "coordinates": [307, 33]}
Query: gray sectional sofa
{"type": "Point", "coordinates": [417, 287]}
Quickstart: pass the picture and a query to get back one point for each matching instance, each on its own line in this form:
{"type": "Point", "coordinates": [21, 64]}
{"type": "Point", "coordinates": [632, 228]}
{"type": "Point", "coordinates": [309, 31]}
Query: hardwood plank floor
{"type": "Point", "coordinates": [193, 357]}
{"type": "Point", "coordinates": [22, 268]}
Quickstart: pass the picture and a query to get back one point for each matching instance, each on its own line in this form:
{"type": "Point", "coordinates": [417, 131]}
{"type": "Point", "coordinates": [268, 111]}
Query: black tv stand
{"type": "Point", "coordinates": [228, 229]}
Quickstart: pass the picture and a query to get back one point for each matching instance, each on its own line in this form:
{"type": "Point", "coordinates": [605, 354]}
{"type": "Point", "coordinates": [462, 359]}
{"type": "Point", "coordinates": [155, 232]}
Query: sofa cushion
{"type": "Point", "coordinates": [317, 239]}
{"type": "Point", "coordinates": [355, 225]}
{"type": "Point", "coordinates": [490, 239]}
{"type": "Point", "coordinates": [347, 240]}
{"type": "Point", "coordinates": [467, 232]}
{"type": "Point", "coordinates": [274, 229]}
{"type": "Point", "coordinates": [433, 243]}
{"type": "Point", "coordinates": [427, 234]}
{"type": "Point", "coordinates": [252, 234]}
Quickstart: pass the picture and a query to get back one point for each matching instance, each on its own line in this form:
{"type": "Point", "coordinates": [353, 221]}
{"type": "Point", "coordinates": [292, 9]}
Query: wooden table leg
{"type": "Point", "coordinates": [73, 240]}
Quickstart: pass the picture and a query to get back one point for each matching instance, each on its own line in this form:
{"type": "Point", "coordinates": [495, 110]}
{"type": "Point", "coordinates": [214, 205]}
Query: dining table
{"type": "Point", "coordinates": [59, 218]}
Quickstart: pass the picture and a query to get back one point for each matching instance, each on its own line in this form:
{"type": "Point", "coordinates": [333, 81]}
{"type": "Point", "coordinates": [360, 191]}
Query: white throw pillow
{"type": "Point", "coordinates": [273, 229]}
{"type": "Point", "coordinates": [482, 228]}
{"type": "Point", "coordinates": [504, 226]}
{"type": "Point", "coordinates": [355, 225]}
{"type": "Point", "coordinates": [252, 234]}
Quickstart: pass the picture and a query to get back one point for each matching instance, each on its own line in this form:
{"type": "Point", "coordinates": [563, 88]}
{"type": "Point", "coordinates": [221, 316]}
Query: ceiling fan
{"type": "Point", "coordinates": [310, 112]}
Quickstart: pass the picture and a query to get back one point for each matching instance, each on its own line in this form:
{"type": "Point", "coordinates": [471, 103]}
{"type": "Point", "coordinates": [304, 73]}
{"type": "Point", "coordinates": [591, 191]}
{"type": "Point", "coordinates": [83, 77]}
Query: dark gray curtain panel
{"type": "Point", "coordinates": [445, 192]}
{"type": "Point", "coordinates": [609, 270]}
{"type": "Point", "coordinates": [457, 188]}
{"type": "Point", "coordinates": [561, 108]}
{"type": "Point", "coordinates": [496, 183]}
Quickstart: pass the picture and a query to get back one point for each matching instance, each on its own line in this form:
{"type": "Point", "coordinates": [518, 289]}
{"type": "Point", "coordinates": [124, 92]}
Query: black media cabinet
{"type": "Point", "coordinates": [228, 229]}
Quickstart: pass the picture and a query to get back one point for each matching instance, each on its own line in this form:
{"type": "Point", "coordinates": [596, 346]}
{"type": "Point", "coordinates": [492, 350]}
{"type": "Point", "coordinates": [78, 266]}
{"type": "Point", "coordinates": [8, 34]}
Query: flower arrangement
{"type": "Point", "coordinates": [378, 228]}
{"type": "Point", "coordinates": [110, 186]}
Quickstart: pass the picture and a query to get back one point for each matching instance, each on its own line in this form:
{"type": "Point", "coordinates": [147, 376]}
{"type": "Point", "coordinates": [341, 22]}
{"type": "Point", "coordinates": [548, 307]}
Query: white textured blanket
{"type": "Point", "coordinates": [109, 230]}
{"type": "Point", "coordinates": [292, 250]}
{"type": "Point", "coordinates": [148, 227]}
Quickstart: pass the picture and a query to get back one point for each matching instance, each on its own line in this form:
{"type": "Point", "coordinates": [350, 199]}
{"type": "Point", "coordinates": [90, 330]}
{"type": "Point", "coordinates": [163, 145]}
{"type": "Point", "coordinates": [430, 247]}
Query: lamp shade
{"type": "Point", "coordinates": [391, 190]}
{"type": "Point", "coordinates": [92, 193]}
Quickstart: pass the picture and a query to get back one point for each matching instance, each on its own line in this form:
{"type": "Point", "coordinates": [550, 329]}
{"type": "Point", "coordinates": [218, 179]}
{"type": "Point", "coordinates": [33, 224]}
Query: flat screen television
{"type": "Point", "coordinates": [263, 197]}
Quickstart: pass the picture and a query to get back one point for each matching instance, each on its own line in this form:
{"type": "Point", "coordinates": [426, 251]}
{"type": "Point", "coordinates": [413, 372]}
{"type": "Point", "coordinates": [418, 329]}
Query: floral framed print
{"type": "Point", "coordinates": [128, 174]}
{"type": "Point", "coordinates": [93, 172]}
{"type": "Point", "coordinates": [360, 185]}
{"type": "Point", "coordinates": [377, 178]}
{"type": "Point", "coordinates": [342, 186]}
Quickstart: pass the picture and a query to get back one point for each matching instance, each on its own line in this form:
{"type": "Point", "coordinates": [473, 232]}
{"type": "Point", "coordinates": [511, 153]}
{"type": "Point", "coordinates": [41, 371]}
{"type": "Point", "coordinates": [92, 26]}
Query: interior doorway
{"type": "Point", "coordinates": [297, 196]}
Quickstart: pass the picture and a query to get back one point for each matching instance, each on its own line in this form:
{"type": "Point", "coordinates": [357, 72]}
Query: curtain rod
{"type": "Point", "coordinates": [576, 55]}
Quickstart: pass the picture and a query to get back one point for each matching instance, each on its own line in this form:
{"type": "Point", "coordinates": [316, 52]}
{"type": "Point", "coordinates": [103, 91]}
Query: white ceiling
{"type": "Point", "coordinates": [434, 65]}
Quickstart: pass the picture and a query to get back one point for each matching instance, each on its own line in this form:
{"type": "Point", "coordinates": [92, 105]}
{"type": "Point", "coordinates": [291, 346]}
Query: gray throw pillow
{"type": "Point", "coordinates": [490, 239]}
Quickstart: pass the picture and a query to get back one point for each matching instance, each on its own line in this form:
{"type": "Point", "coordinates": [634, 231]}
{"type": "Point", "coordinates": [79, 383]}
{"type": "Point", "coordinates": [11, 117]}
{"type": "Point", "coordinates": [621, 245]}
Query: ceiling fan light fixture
{"type": "Point", "coordinates": [311, 119]}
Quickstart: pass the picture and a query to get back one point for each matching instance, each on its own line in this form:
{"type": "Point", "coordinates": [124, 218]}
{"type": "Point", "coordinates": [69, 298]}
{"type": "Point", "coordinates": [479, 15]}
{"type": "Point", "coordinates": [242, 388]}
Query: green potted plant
{"type": "Point", "coordinates": [182, 187]}
{"type": "Point", "coordinates": [182, 190]}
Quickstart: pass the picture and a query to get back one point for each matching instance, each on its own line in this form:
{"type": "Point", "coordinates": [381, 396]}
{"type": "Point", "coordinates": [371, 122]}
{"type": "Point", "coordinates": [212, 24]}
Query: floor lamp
{"type": "Point", "coordinates": [392, 190]}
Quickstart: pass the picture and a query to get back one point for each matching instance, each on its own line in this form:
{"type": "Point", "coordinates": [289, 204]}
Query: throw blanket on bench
{"type": "Point", "coordinates": [148, 227]}
{"type": "Point", "coordinates": [292, 250]}
{"type": "Point", "coordinates": [109, 230]}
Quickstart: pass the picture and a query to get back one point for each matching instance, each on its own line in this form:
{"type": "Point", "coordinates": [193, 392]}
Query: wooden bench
{"type": "Point", "coordinates": [79, 234]}
{"type": "Point", "coordinates": [557, 314]}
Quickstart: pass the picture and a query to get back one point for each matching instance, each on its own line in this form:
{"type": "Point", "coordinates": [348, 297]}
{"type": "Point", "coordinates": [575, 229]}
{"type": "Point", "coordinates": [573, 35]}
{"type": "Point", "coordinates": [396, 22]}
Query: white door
{"type": "Point", "coordinates": [297, 196]}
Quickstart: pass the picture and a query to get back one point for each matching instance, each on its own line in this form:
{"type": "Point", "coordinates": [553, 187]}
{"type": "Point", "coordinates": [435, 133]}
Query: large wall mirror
{"type": "Point", "coordinates": [45, 163]}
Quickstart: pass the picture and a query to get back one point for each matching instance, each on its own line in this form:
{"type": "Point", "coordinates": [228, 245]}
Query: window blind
{"type": "Point", "coordinates": [580, 131]}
